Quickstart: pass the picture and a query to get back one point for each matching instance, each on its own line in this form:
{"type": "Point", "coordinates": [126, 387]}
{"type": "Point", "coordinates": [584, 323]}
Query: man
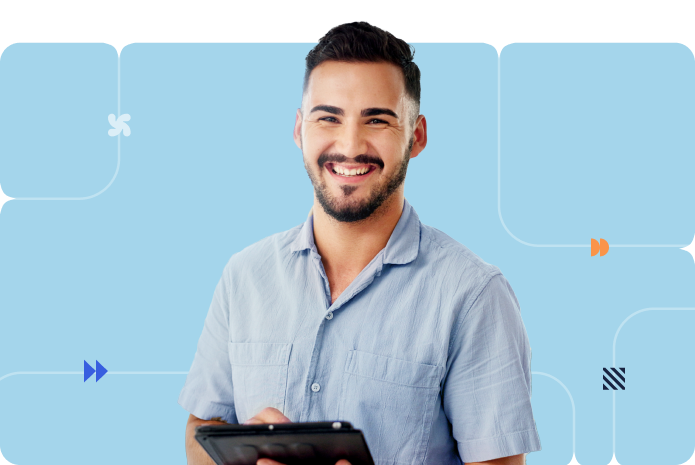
{"type": "Point", "coordinates": [363, 313]}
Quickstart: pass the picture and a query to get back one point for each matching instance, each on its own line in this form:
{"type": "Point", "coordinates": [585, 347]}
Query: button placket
{"type": "Point", "coordinates": [322, 272]}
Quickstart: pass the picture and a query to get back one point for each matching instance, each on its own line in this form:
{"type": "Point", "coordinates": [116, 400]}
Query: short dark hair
{"type": "Point", "coordinates": [362, 42]}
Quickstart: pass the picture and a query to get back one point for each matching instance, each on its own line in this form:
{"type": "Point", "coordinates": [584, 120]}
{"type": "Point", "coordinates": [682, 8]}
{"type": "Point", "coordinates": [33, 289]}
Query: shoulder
{"type": "Point", "coordinates": [440, 245]}
{"type": "Point", "coordinates": [463, 276]}
{"type": "Point", "coordinates": [267, 252]}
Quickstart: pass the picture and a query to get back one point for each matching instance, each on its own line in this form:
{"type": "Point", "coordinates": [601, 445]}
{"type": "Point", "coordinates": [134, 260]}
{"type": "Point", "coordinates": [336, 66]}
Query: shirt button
{"type": "Point", "coordinates": [315, 387]}
{"type": "Point", "coordinates": [329, 316]}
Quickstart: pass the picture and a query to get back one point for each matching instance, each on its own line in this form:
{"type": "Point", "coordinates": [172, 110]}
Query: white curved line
{"type": "Point", "coordinates": [499, 182]}
{"type": "Point", "coordinates": [615, 343]}
{"type": "Point", "coordinates": [83, 198]}
{"type": "Point", "coordinates": [118, 163]}
{"type": "Point", "coordinates": [41, 373]}
{"type": "Point", "coordinates": [615, 339]}
{"type": "Point", "coordinates": [82, 372]}
{"type": "Point", "coordinates": [571, 400]}
{"type": "Point", "coordinates": [147, 373]}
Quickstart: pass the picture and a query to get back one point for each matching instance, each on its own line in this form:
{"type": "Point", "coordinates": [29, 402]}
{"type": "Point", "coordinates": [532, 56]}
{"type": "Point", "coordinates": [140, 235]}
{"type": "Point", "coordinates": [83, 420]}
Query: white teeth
{"type": "Point", "coordinates": [353, 172]}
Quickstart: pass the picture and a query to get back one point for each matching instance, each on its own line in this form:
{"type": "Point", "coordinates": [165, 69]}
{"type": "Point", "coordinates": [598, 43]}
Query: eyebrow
{"type": "Point", "coordinates": [378, 111]}
{"type": "Point", "coordinates": [365, 112]}
{"type": "Point", "coordinates": [328, 109]}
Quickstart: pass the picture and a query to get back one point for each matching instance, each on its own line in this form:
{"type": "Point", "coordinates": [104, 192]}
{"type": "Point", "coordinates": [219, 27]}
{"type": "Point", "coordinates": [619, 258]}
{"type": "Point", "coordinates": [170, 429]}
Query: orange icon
{"type": "Point", "coordinates": [596, 248]}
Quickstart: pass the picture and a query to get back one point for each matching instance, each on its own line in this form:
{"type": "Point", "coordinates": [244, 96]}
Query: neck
{"type": "Point", "coordinates": [349, 247]}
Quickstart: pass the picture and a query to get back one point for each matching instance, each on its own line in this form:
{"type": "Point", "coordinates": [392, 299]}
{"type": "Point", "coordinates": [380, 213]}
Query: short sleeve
{"type": "Point", "coordinates": [208, 391]}
{"type": "Point", "coordinates": [487, 390]}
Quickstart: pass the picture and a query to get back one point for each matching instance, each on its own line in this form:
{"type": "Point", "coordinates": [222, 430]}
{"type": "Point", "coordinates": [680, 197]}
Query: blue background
{"type": "Point", "coordinates": [596, 141]}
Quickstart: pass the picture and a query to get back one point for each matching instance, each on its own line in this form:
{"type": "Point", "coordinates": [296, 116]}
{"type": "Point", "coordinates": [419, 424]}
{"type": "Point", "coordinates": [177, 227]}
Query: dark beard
{"type": "Point", "coordinates": [364, 209]}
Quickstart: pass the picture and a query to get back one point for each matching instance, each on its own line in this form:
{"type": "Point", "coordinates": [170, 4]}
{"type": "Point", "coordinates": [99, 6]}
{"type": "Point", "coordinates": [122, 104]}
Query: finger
{"type": "Point", "coordinates": [271, 415]}
{"type": "Point", "coordinates": [268, 462]}
{"type": "Point", "coordinates": [342, 462]}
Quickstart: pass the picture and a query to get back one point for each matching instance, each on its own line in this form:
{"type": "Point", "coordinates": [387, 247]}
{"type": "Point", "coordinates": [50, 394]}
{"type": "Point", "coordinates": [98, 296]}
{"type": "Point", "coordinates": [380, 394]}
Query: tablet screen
{"type": "Point", "coordinates": [311, 443]}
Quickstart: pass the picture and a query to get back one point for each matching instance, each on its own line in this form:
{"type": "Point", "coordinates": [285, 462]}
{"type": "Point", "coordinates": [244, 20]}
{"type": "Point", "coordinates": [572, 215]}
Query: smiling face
{"type": "Point", "coordinates": [355, 132]}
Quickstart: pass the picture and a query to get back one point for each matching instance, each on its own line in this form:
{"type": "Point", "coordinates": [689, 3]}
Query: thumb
{"type": "Point", "coordinates": [271, 415]}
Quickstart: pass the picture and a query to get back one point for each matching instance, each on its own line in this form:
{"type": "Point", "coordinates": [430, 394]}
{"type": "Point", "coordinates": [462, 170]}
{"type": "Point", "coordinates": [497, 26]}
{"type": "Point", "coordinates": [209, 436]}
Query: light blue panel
{"type": "Point", "coordinates": [211, 167]}
{"type": "Point", "coordinates": [552, 411]}
{"type": "Point", "coordinates": [597, 141]}
{"type": "Point", "coordinates": [120, 419]}
{"type": "Point", "coordinates": [654, 415]}
{"type": "Point", "coordinates": [55, 101]}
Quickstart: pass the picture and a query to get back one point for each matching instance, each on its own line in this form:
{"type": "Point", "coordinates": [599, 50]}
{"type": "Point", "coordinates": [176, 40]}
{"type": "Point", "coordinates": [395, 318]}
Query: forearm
{"type": "Point", "coordinates": [195, 454]}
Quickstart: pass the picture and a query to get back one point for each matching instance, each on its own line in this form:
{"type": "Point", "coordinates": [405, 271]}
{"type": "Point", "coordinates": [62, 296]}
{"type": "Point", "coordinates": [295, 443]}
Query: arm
{"type": "Point", "coordinates": [195, 454]}
{"type": "Point", "coordinates": [487, 389]}
{"type": "Point", "coordinates": [208, 391]}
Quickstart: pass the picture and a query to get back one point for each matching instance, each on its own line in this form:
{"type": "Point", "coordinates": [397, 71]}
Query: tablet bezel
{"type": "Point", "coordinates": [206, 435]}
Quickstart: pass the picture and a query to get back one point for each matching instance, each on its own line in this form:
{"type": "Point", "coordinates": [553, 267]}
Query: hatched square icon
{"type": "Point", "coordinates": [613, 379]}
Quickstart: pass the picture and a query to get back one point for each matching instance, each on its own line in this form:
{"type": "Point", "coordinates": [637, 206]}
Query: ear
{"type": "Point", "coordinates": [298, 129]}
{"type": "Point", "coordinates": [419, 136]}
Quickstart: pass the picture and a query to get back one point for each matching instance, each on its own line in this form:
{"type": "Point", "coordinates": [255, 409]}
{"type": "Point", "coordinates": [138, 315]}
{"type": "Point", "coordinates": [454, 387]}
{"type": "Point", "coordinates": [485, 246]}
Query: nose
{"type": "Point", "coordinates": [351, 139]}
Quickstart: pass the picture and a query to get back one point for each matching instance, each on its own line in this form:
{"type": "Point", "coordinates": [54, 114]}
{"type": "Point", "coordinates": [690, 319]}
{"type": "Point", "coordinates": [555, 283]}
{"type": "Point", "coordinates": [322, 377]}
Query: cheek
{"type": "Point", "coordinates": [389, 148]}
{"type": "Point", "coordinates": [315, 143]}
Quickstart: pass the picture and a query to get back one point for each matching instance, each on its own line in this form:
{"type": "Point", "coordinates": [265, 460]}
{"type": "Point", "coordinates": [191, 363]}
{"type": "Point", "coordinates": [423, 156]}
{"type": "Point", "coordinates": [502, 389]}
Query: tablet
{"type": "Point", "coordinates": [310, 443]}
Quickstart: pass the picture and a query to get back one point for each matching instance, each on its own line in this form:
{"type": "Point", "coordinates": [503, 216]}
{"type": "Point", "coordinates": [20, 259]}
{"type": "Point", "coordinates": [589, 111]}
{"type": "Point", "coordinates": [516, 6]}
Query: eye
{"type": "Point", "coordinates": [326, 118]}
{"type": "Point", "coordinates": [377, 121]}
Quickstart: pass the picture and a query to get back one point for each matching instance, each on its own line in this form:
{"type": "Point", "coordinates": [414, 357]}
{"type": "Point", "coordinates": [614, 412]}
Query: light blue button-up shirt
{"type": "Point", "coordinates": [425, 351]}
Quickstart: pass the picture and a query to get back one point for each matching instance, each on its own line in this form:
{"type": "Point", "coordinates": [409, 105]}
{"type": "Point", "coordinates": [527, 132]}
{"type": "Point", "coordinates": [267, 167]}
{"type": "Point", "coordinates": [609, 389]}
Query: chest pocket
{"type": "Point", "coordinates": [259, 376]}
{"type": "Point", "coordinates": [392, 401]}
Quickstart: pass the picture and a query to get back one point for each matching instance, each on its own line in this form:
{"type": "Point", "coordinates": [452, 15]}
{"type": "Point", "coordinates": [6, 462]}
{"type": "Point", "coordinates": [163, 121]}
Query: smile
{"type": "Point", "coordinates": [349, 173]}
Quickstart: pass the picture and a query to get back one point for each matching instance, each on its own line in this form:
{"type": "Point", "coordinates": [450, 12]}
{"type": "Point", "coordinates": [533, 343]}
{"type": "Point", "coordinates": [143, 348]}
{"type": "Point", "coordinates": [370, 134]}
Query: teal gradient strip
{"type": "Point", "coordinates": [546, 35]}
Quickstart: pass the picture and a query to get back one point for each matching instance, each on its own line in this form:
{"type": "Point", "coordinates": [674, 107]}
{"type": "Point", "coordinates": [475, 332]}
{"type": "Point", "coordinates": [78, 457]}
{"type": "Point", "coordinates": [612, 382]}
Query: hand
{"type": "Point", "coordinates": [273, 415]}
{"type": "Point", "coordinates": [268, 415]}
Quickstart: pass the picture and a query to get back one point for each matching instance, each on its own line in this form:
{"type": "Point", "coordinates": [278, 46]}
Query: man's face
{"type": "Point", "coordinates": [355, 134]}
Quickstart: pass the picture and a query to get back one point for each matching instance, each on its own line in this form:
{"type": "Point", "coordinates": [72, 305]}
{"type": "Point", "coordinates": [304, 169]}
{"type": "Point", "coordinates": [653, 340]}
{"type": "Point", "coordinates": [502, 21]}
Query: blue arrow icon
{"type": "Point", "coordinates": [89, 371]}
{"type": "Point", "coordinates": [101, 371]}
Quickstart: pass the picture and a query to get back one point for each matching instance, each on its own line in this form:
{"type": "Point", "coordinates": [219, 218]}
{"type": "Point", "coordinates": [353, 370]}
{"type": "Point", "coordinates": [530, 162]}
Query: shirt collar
{"type": "Point", "coordinates": [401, 248]}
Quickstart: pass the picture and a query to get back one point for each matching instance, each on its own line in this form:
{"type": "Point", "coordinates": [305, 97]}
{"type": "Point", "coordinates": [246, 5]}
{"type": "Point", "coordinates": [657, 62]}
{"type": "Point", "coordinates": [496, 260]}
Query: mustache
{"type": "Point", "coordinates": [339, 158]}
